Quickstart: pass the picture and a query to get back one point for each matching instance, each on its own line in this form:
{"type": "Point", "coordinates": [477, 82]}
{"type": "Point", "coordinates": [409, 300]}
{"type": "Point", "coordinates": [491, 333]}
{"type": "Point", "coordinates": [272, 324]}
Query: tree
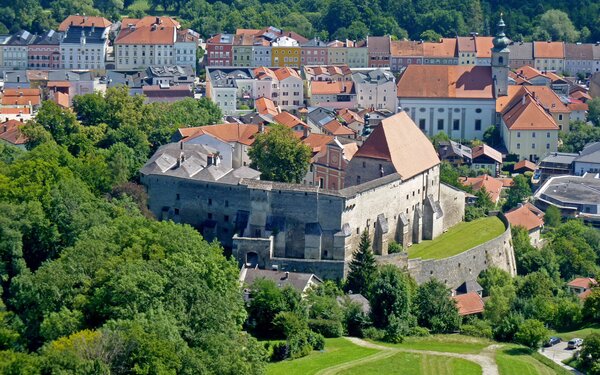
{"type": "Point", "coordinates": [492, 136]}
{"type": "Point", "coordinates": [518, 192]}
{"type": "Point", "coordinates": [435, 309]}
{"type": "Point", "coordinates": [61, 123]}
{"type": "Point", "coordinates": [580, 134]}
{"type": "Point", "coordinates": [267, 300]}
{"type": "Point", "coordinates": [552, 217]}
{"type": "Point", "coordinates": [430, 36]}
{"type": "Point", "coordinates": [558, 26]}
{"type": "Point", "coordinates": [591, 307]}
{"type": "Point", "coordinates": [590, 352]}
{"type": "Point", "coordinates": [362, 267]}
{"type": "Point", "coordinates": [532, 333]}
{"type": "Point", "coordinates": [279, 155]}
{"type": "Point", "coordinates": [391, 296]}
{"type": "Point", "coordinates": [594, 111]}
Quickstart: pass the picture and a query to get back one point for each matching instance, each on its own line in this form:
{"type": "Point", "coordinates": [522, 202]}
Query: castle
{"type": "Point", "coordinates": [392, 190]}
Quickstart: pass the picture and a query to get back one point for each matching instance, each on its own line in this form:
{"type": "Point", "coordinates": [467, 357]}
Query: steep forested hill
{"type": "Point", "coordinates": [425, 19]}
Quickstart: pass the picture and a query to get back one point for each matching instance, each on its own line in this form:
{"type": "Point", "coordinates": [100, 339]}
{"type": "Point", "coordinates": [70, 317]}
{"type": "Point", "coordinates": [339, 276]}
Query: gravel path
{"type": "Point", "coordinates": [485, 359]}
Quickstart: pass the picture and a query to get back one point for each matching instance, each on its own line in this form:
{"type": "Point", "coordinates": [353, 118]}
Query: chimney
{"type": "Point", "coordinates": [21, 119]}
{"type": "Point", "coordinates": [287, 275]}
{"type": "Point", "coordinates": [306, 132]}
{"type": "Point", "coordinates": [158, 20]}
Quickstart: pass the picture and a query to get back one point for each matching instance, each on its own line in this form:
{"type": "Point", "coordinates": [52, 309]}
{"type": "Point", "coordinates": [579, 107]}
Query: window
{"type": "Point", "coordinates": [422, 124]}
{"type": "Point", "coordinates": [209, 201]}
{"type": "Point", "coordinates": [518, 134]}
{"type": "Point", "coordinates": [547, 146]}
{"type": "Point", "coordinates": [227, 202]}
{"type": "Point", "coordinates": [210, 216]}
{"type": "Point", "coordinates": [533, 145]}
{"type": "Point", "coordinates": [364, 164]}
{"type": "Point", "coordinates": [440, 124]}
{"type": "Point", "coordinates": [226, 218]}
{"type": "Point", "coordinates": [518, 146]}
{"type": "Point", "coordinates": [477, 125]}
{"type": "Point", "coordinates": [177, 197]}
{"type": "Point", "coordinates": [548, 135]}
{"type": "Point", "coordinates": [321, 182]}
{"type": "Point", "coordinates": [358, 180]}
{"type": "Point", "coordinates": [560, 117]}
{"type": "Point", "coordinates": [456, 125]}
{"type": "Point", "coordinates": [177, 211]}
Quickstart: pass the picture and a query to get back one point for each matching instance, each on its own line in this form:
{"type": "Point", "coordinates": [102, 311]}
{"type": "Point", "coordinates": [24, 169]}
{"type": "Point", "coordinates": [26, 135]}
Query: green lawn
{"type": "Point", "coordinates": [459, 238]}
{"type": "Point", "coordinates": [337, 351]}
{"type": "Point", "coordinates": [581, 333]}
{"type": "Point", "coordinates": [517, 360]}
{"type": "Point", "coordinates": [416, 364]}
{"type": "Point", "coordinates": [443, 343]}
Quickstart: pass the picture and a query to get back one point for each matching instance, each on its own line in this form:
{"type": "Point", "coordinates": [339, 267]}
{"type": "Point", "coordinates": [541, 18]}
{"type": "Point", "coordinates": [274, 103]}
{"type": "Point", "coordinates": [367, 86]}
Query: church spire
{"type": "Point", "coordinates": [500, 40]}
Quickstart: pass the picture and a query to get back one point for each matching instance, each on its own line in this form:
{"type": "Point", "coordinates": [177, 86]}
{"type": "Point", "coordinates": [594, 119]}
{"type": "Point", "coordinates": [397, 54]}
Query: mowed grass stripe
{"type": "Point", "coordinates": [459, 238]}
{"type": "Point", "coordinates": [416, 364]}
{"type": "Point", "coordinates": [337, 351]}
{"type": "Point", "coordinates": [515, 360]}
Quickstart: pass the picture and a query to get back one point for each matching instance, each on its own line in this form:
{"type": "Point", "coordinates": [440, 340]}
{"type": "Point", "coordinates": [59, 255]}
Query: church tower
{"type": "Point", "coordinates": [500, 53]}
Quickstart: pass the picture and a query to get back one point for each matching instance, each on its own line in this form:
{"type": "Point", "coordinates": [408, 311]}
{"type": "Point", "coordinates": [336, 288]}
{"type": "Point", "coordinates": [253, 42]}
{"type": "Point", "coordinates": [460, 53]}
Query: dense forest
{"type": "Point", "coordinates": [328, 19]}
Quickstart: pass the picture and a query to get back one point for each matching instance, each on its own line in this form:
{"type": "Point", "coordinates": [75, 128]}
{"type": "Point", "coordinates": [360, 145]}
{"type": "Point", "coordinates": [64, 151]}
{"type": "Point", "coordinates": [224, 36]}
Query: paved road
{"type": "Point", "coordinates": [559, 353]}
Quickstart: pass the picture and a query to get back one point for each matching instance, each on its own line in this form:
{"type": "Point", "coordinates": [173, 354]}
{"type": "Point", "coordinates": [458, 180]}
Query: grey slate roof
{"type": "Point", "coordinates": [226, 77]}
{"type": "Point", "coordinates": [572, 190]}
{"type": "Point", "coordinates": [450, 148]}
{"type": "Point", "coordinates": [21, 38]}
{"type": "Point", "coordinates": [69, 75]}
{"type": "Point", "coordinates": [194, 165]}
{"type": "Point", "coordinates": [589, 154]}
{"type": "Point", "coordinates": [469, 286]}
{"type": "Point", "coordinates": [521, 51]}
{"type": "Point", "coordinates": [93, 35]}
{"type": "Point", "coordinates": [559, 158]}
{"type": "Point", "coordinates": [578, 51]}
{"type": "Point", "coordinates": [356, 298]}
{"type": "Point", "coordinates": [378, 76]}
{"type": "Point", "coordinates": [297, 280]}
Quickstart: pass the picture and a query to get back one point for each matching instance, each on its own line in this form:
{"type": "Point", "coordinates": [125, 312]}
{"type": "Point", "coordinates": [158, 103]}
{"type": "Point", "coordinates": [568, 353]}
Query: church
{"type": "Point", "coordinates": [458, 100]}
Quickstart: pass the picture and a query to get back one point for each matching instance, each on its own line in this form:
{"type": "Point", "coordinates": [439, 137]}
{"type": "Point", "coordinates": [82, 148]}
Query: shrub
{"type": "Point", "coordinates": [280, 352]}
{"type": "Point", "coordinates": [394, 247]}
{"type": "Point", "coordinates": [354, 318]}
{"type": "Point", "coordinates": [473, 213]}
{"type": "Point", "coordinates": [373, 333]}
{"type": "Point", "coordinates": [316, 340]}
{"type": "Point", "coordinates": [298, 344]}
{"type": "Point", "coordinates": [477, 328]}
{"type": "Point", "coordinates": [396, 330]}
{"type": "Point", "coordinates": [531, 333]}
{"type": "Point", "coordinates": [418, 332]}
{"type": "Point", "coordinates": [326, 327]}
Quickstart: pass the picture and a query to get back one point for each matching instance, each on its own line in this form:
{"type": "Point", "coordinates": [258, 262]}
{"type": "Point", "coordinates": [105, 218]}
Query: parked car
{"type": "Point", "coordinates": [553, 341]}
{"type": "Point", "coordinates": [574, 343]}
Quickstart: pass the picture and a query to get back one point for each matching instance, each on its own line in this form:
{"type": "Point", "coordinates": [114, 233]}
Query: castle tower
{"type": "Point", "coordinates": [500, 53]}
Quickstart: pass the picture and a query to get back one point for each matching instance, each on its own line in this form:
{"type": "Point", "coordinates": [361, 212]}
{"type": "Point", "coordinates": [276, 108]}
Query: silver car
{"type": "Point", "coordinates": [574, 343]}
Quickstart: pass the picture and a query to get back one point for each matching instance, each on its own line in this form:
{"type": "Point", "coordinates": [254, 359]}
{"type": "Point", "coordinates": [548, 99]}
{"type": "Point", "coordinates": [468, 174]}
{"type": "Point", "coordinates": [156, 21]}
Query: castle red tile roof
{"type": "Point", "coordinates": [446, 81]}
{"type": "Point", "coordinates": [83, 21]}
{"type": "Point", "coordinates": [524, 217]}
{"type": "Point", "coordinates": [469, 303]}
{"type": "Point", "coordinates": [466, 44]}
{"type": "Point", "coordinates": [397, 139]}
{"type": "Point", "coordinates": [484, 46]}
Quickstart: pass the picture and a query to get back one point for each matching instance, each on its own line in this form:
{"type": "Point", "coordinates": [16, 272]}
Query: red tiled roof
{"type": "Point", "coordinates": [83, 21]}
{"type": "Point", "coordinates": [288, 120]}
{"type": "Point", "coordinates": [577, 105]}
{"type": "Point", "coordinates": [331, 87]}
{"type": "Point", "coordinates": [62, 99]}
{"type": "Point", "coordinates": [492, 185]}
{"type": "Point", "coordinates": [443, 49]}
{"type": "Point", "coordinates": [399, 140]}
{"type": "Point", "coordinates": [581, 95]}
{"type": "Point", "coordinates": [584, 295]}
{"type": "Point", "coordinates": [583, 282]}
{"type": "Point", "coordinates": [350, 116]}
{"type": "Point", "coordinates": [549, 50]}
{"type": "Point", "coordinates": [21, 92]}
{"type": "Point", "coordinates": [263, 73]}
{"type": "Point", "coordinates": [469, 303]}
{"type": "Point", "coordinates": [525, 164]}
{"type": "Point", "coordinates": [317, 142]}
{"type": "Point", "coordinates": [484, 46]}
{"type": "Point", "coordinates": [283, 73]}
{"type": "Point", "coordinates": [10, 131]}
{"type": "Point", "coordinates": [524, 113]}
{"type": "Point", "coordinates": [486, 150]}
{"type": "Point", "coordinates": [466, 44]}
{"type": "Point", "coordinates": [148, 31]}
{"type": "Point", "coordinates": [265, 106]}
{"type": "Point", "coordinates": [446, 81]}
{"type": "Point", "coordinates": [14, 111]}
{"type": "Point", "coordinates": [406, 48]}
{"type": "Point", "coordinates": [21, 100]}
{"type": "Point", "coordinates": [243, 134]}
{"type": "Point", "coordinates": [524, 217]}
{"type": "Point", "coordinates": [334, 127]}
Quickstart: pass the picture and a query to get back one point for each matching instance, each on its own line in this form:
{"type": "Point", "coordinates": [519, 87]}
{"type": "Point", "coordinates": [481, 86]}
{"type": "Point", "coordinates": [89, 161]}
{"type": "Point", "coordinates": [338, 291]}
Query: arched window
{"type": "Point", "coordinates": [501, 60]}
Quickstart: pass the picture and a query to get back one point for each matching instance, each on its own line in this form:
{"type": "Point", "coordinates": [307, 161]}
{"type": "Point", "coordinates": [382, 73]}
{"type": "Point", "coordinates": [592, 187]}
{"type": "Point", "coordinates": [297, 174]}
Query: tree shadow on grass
{"type": "Point", "coordinates": [518, 351]}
